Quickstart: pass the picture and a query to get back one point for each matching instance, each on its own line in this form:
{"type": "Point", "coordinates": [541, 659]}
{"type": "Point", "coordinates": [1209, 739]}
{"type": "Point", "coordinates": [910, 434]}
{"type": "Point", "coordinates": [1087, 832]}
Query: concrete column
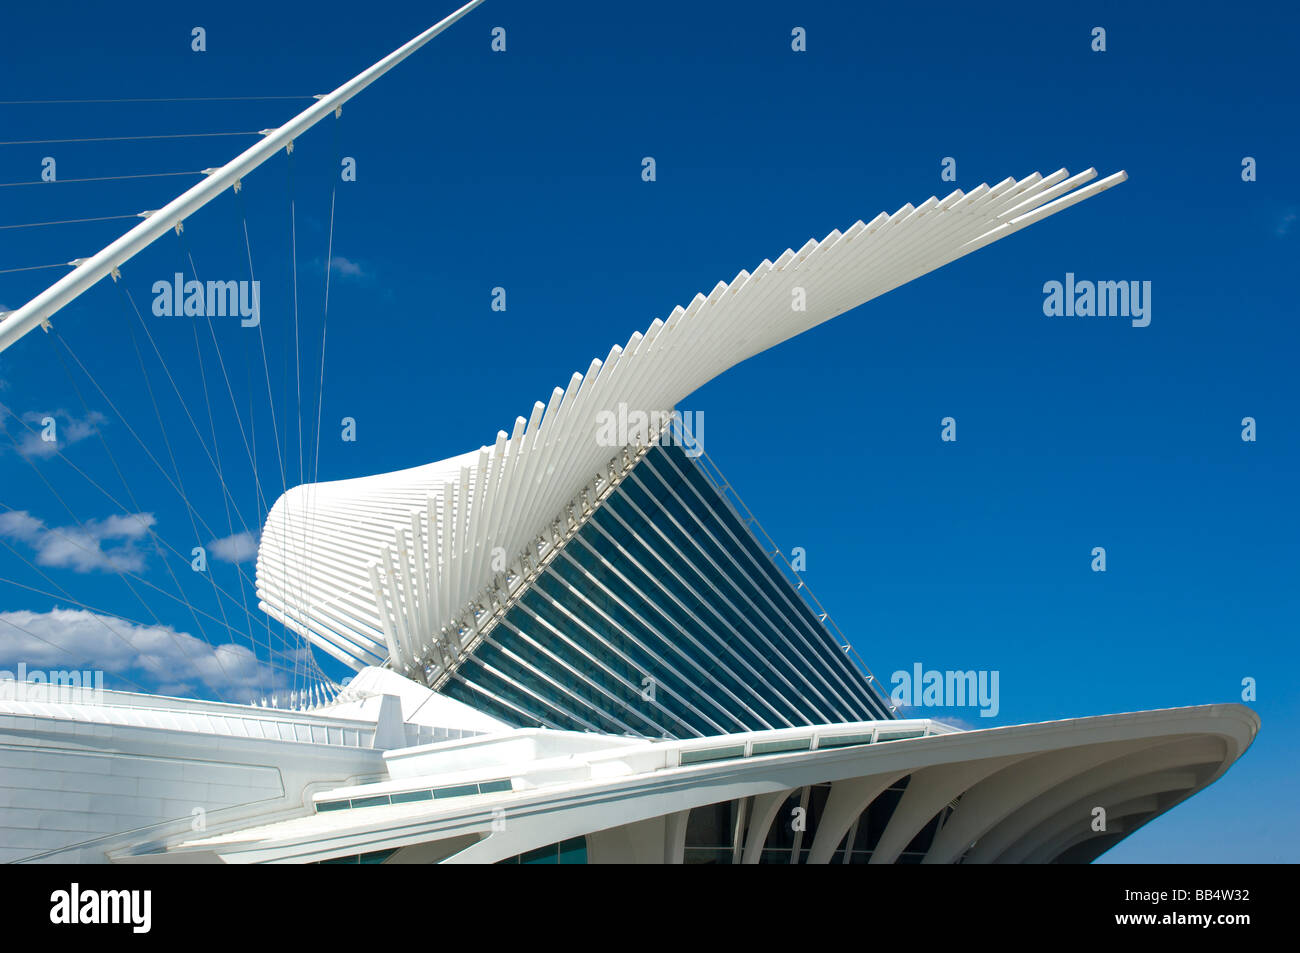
{"type": "Point", "coordinates": [675, 837]}
{"type": "Point", "coordinates": [848, 799]}
{"type": "Point", "coordinates": [928, 791]}
{"type": "Point", "coordinates": [762, 810]}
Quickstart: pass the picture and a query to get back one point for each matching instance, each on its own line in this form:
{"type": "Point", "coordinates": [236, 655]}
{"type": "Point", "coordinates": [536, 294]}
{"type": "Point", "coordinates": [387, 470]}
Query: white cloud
{"type": "Point", "coordinates": [240, 548]}
{"type": "Point", "coordinates": [81, 547]}
{"type": "Point", "coordinates": [348, 267]}
{"type": "Point", "coordinates": [66, 431]}
{"type": "Point", "coordinates": [176, 662]}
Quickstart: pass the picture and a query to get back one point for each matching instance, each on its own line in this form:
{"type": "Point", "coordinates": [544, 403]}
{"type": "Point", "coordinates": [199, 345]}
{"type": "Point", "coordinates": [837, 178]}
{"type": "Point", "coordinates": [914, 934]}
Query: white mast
{"type": "Point", "coordinates": [91, 270]}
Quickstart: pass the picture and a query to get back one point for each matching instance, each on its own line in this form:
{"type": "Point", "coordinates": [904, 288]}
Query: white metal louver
{"type": "Point", "coordinates": [399, 566]}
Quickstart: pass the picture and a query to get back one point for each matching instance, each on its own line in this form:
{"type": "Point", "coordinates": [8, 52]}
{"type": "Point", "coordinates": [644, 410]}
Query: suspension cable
{"type": "Point", "coordinates": [227, 498]}
{"type": "Point", "coordinates": [127, 486]}
{"type": "Point", "coordinates": [70, 221]}
{"type": "Point", "coordinates": [98, 178]}
{"type": "Point", "coordinates": [174, 135]}
{"type": "Point", "coordinates": [82, 526]}
{"type": "Point", "coordinates": [168, 99]}
{"type": "Point", "coordinates": [135, 344]}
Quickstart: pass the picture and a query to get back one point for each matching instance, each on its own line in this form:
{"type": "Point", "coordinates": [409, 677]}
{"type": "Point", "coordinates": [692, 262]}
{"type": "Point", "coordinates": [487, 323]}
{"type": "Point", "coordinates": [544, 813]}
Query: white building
{"type": "Point", "coordinates": [574, 646]}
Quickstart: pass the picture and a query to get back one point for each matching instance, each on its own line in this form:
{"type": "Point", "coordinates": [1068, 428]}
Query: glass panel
{"type": "Point", "coordinates": [872, 823]}
{"type": "Point", "coordinates": [779, 844]}
{"type": "Point", "coordinates": [787, 744]}
{"type": "Point", "coordinates": [573, 851]}
{"type": "Point", "coordinates": [543, 855]}
{"type": "Point", "coordinates": [458, 790]}
{"type": "Point", "coordinates": [690, 600]}
{"type": "Point", "coordinates": [712, 825]}
{"type": "Point", "coordinates": [707, 855]}
{"type": "Point", "coordinates": [723, 753]}
{"type": "Point", "coordinates": [843, 741]}
{"type": "Point", "coordinates": [818, 794]}
{"type": "Point", "coordinates": [827, 658]}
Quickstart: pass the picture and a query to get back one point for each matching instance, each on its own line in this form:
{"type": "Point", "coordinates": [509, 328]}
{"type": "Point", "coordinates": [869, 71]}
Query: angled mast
{"type": "Point", "coordinates": [90, 271]}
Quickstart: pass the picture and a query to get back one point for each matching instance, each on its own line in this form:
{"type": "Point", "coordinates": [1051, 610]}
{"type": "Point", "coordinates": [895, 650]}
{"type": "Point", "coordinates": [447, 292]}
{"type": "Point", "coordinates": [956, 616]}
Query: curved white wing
{"type": "Point", "coordinates": [399, 566]}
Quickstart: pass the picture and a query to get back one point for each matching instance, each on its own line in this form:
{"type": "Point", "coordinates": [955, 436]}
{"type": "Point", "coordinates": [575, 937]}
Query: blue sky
{"type": "Point", "coordinates": [522, 170]}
